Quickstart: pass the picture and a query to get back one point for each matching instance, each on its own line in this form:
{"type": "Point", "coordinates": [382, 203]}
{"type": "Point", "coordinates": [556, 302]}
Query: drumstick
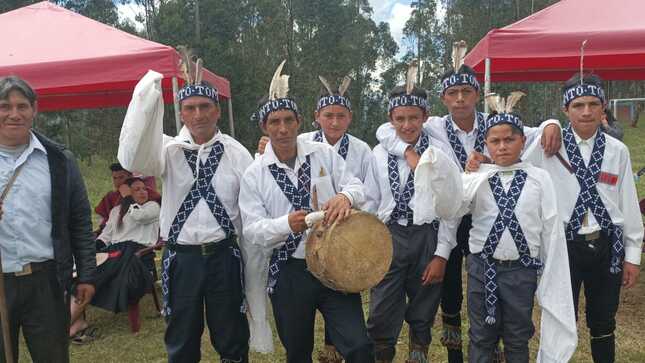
{"type": "Point", "coordinates": [314, 198]}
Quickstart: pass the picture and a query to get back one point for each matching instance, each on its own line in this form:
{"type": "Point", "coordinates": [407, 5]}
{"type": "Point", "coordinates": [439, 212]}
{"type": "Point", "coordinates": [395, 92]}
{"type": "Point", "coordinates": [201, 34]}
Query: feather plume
{"type": "Point", "coordinates": [198, 71]}
{"type": "Point", "coordinates": [512, 100]}
{"type": "Point", "coordinates": [493, 101]}
{"type": "Point", "coordinates": [344, 85]}
{"type": "Point", "coordinates": [582, 59]}
{"type": "Point", "coordinates": [279, 87]}
{"type": "Point", "coordinates": [326, 84]}
{"type": "Point", "coordinates": [186, 64]}
{"type": "Point", "coordinates": [458, 54]}
{"type": "Point", "coordinates": [411, 77]}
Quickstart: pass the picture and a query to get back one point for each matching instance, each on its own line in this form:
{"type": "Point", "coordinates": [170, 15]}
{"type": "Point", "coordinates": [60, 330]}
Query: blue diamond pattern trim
{"type": "Point", "coordinates": [458, 147]}
{"type": "Point", "coordinates": [299, 198]}
{"type": "Point", "coordinates": [202, 188]}
{"type": "Point", "coordinates": [506, 219]}
{"type": "Point", "coordinates": [403, 197]}
{"type": "Point", "coordinates": [589, 198]}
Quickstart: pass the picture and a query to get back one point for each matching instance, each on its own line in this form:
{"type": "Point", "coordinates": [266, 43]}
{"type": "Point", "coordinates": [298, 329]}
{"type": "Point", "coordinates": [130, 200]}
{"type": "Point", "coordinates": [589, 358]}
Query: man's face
{"type": "Point", "coordinates": [200, 114]}
{"type": "Point", "coordinates": [505, 144]}
{"type": "Point", "coordinates": [460, 101]}
{"type": "Point", "coordinates": [585, 114]}
{"type": "Point", "coordinates": [119, 177]}
{"type": "Point", "coordinates": [139, 192]}
{"type": "Point", "coordinates": [282, 128]}
{"type": "Point", "coordinates": [408, 122]}
{"type": "Point", "coordinates": [16, 118]}
{"type": "Point", "coordinates": [334, 121]}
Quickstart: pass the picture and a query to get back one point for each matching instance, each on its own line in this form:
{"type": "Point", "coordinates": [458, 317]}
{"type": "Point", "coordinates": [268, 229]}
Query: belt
{"type": "Point", "coordinates": [205, 249]}
{"type": "Point", "coordinates": [593, 236]}
{"type": "Point", "coordinates": [505, 263]}
{"type": "Point", "coordinates": [31, 268]}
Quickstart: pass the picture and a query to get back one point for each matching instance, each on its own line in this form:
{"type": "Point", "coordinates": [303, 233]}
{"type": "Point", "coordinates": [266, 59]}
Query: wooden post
{"type": "Point", "coordinates": [231, 124]}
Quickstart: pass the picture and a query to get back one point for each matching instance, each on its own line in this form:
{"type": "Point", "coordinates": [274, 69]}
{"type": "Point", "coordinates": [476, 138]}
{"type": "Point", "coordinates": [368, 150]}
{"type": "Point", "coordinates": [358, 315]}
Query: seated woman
{"type": "Point", "coordinates": [122, 279]}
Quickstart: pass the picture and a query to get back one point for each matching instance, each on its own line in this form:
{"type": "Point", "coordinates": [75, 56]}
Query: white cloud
{"type": "Point", "coordinates": [129, 11]}
{"type": "Point", "coordinates": [399, 15]}
{"type": "Point", "coordinates": [382, 9]}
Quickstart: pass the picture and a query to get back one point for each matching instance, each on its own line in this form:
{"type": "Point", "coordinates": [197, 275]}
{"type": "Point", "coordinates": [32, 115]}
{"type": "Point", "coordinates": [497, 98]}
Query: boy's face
{"type": "Point", "coordinates": [585, 114]}
{"type": "Point", "coordinates": [460, 101]}
{"type": "Point", "coordinates": [334, 120]}
{"type": "Point", "coordinates": [408, 122]}
{"type": "Point", "coordinates": [505, 144]}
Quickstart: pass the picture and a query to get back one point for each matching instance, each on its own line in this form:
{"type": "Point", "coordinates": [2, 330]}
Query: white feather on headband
{"type": "Point", "coordinates": [279, 87]}
{"type": "Point", "coordinates": [500, 105]}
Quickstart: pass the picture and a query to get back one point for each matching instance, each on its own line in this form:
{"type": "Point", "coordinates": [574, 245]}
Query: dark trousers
{"type": "Point", "coordinates": [38, 305]}
{"type": "Point", "coordinates": [297, 296]}
{"type": "Point", "coordinates": [452, 294]}
{"type": "Point", "coordinates": [516, 287]}
{"type": "Point", "coordinates": [211, 282]}
{"type": "Point", "coordinates": [414, 247]}
{"type": "Point", "coordinates": [589, 264]}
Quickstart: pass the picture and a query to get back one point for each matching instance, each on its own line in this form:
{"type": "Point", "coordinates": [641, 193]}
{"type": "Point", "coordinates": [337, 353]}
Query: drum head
{"type": "Point", "coordinates": [351, 256]}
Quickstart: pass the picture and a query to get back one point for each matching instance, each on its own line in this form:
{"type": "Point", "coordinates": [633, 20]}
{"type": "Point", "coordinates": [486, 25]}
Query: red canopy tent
{"type": "Point", "coordinates": [546, 45]}
{"type": "Point", "coordinates": [76, 62]}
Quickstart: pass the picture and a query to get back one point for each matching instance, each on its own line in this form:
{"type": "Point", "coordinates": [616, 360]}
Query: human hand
{"type": "Point", "coordinates": [435, 271]}
{"type": "Point", "coordinates": [475, 159]}
{"type": "Point", "coordinates": [337, 208]}
{"type": "Point", "coordinates": [297, 221]}
{"type": "Point", "coordinates": [262, 144]}
{"type": "Point", "coordinates": [630, 274]}
{"type": "Point", "coordinates": [84, 294]}
{"type": "Point", "coordinates": [551, 139]}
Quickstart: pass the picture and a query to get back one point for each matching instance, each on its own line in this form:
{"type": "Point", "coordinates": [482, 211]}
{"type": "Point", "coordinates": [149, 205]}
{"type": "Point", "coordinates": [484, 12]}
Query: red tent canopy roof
{"type": "Point", "coordinates": [546, 45]}
{"type": "Point", "coordinates": [76, 62]}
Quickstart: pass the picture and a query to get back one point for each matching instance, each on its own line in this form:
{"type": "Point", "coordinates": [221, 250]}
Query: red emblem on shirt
{"type": "Point", "coordinates": [607, 178]}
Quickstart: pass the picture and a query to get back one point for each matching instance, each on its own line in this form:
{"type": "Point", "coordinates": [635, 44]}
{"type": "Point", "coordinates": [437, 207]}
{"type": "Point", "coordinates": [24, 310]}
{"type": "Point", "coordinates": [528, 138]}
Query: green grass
{"type": "Point", "coordinates": [118, 344]}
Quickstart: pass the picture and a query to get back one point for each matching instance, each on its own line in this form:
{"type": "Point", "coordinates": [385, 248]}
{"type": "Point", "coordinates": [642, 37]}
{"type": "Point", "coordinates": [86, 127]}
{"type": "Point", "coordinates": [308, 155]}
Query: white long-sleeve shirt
{"type": "Point", "coordinates": [144, 148]}
{"type": "Point", "coordinates": [359, 162]}
{"type": "Point", "coordinates": [265, 208]}
{"type": "Point", "coordinates": [436, 128]}
{"type": "Point", "coordinates": [537, 213]}
{"type": "Point", "coordinates": [379, 185]}
{"type": "Point", "coordinates": [140, 224]}
{"type": "Point", "coordinates": [265, 214]}
{"type": "Point", "coordinates": [620, 198]}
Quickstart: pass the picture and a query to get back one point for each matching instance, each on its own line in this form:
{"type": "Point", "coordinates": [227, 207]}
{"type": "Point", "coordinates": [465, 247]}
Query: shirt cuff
{"type": "Point", "coordinates": [633, 255]}
{"type": "Point", "coordinates": [349, 196]}
{"type": "Point", "coordinates": [443, 250]}
{"type": "Point", "coordinates": [282, 225]}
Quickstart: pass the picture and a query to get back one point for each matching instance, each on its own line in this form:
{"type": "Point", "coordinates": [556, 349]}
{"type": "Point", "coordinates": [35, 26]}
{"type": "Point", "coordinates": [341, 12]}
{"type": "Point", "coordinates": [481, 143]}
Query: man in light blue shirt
{"type": "Point", "coordinates": [45, 227]}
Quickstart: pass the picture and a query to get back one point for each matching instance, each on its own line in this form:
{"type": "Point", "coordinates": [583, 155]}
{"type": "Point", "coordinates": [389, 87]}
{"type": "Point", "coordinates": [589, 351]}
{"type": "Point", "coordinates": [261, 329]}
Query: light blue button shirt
{"type": "Point", "coordinates": [25, 228]}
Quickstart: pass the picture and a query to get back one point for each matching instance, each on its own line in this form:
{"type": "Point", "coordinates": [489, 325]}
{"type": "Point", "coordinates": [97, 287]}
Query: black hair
{"type": "Point", "coordinates": [14, 83]}
{"type": "Point", "coordinates": [127, 201]}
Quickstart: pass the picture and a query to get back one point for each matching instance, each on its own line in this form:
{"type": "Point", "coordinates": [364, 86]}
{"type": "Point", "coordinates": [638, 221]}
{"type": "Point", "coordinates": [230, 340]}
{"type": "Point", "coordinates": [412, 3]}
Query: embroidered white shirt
{"type": "Point", "coordinates": [620, 199]}
{"type": "Point", "coordinates": [144, 148]}
{"type": "Point", "coordinates": [537, 213]}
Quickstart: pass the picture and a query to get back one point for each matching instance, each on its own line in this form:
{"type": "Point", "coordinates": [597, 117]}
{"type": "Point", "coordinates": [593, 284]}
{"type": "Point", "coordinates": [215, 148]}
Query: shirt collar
{"type": "Point", "coordinates": [34, 144]}
{"type": "Point", "coordinates": [492, 168]}
{"type": "Point", "coordinates": [579, 140]}
{"type": "Point", "coordinates": [185, 139]}
{"type": "Point", "coordinates": [304, 148]}
{"type": "Point", "coordinates": [475, 125]}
